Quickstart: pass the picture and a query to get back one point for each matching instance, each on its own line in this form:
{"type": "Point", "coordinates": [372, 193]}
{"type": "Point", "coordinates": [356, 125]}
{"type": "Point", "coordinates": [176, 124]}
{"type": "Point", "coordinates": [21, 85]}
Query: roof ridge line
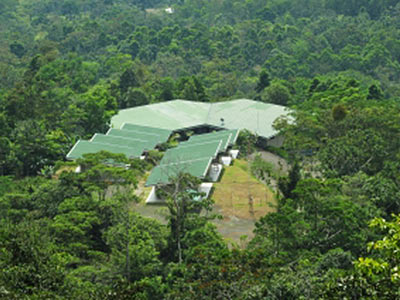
{"type": "Point", "coordinates": [184, 161]}
{"type": "Point", "coordinates": [70, 151]}
{"type": "Point", "coordinates": [208, 114]}
{"type": "Point", "coordinates": [208, 167]}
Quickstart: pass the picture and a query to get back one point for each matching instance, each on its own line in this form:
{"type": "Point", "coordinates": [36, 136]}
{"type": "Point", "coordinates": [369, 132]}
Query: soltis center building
{"type": "Point", "coordinates": [213, 127]}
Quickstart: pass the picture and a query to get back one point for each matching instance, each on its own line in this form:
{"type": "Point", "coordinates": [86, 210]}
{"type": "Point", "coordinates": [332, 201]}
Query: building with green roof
{"type": "Point", "coordinates": [176, 115]}
{"type": "Point", "coordinates": [139, 129]}
{"type": "Point", "coordinates": [133, 143]}
{"type": "Point", "coordinates": [84, 147]}
{"type": "Point", "coordinates": [228, 137]}
{"type": "Point", "coordinates": [163, 174]}
{"type": "Point", "coordinates": [123, 142]}
{"type": "Point", "coordinates": [140, 135]}
{"type": "Point", "coordinates": [206, 149]}
{"type": "Point", "coordinates": [165, 133]}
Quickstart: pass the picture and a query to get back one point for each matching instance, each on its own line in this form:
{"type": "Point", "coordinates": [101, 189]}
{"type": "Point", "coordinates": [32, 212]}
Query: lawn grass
{"type": "Point", "coordinates": [231, 195]}
{"type": "Point", "coordinates": [241, 195]}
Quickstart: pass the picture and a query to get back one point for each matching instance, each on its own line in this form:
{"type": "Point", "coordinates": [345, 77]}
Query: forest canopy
{"type": "Point", "coordinates": [66, 67]}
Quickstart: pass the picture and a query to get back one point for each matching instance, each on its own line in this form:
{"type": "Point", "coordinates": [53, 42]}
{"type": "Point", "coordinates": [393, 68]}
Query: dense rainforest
{"type": "Point", "coordinates": [66, 67]}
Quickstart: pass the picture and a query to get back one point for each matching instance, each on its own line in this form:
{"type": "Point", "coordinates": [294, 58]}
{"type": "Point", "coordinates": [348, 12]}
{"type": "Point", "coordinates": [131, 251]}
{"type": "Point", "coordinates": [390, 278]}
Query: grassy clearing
{"type": "Point", "coordinates": [231, 197]}
{"type": "Point", "coordinates": [241, 195]}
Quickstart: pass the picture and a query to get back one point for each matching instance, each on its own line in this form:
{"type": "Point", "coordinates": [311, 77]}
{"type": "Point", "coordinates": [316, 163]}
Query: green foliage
{"type": "Point", "coordinates": [17, 49]}
{"type": "Point", "coordinates": [339, 112]}
{"type": "Point", "coordinates": [133, 255]}
{"type": "Point", "coordinates": [191, 89]}
{"type": "Point", "coordinates": [33, 147]}
{"type": "Point", "coordinates": [345, 132]}
{"type": "Point", "coordinates": [128, 80]}
{"type": "Point", "coordinates": [288, 184]}
{"type": "Point", "coordinates": [154, 157]}
{"type": "Point", "coordinates": [76, 224]}
{"type": "Point", "coordinates": [246, 142]}
{"type": "Point", "coordinates": [99, 106]}
{"type": "Point", "coordinates": [30, 263]}
{"type": "Point", "coordinates": [212, 273]}
{"type": "Point", "coordinates": [134, 97]}
{"type": "Point", "coordinates": [276, 93]}
{"type": "Point", "coordinates": [263, 81]}
{"type": "Point", "coordinates": [375, 276]}
{"type": "Point", "coordinates": [374, 92]}
{"type": "Point", "coordinates": [67, 66]}
{"type": "Point", "coordinates": [187, 219]}
{"type": "Point", "coordinates": [262, 169]}
{"type": "Point", "coordinates": [320, 219]}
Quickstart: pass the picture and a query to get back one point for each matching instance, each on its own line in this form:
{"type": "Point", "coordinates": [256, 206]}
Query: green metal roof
{"type": "Point", "coordinates": [137, 135]}
{"type": "Point", "coordinates": [194, 159]}
{"type": "Point", "coordinates": [224, 142]}
{"type": "Point", "coordinates": [254, 116]}
{"type": "Point", "coordinates": [171, 115]}
{"type": "Point", "coordinates": [162, 174]}
{"type": "Point", "coordinates": [179, 114]}
{"type": "Point", "coordinates": [123, 142]}
{"type": "Point", "coordinates": [230, 136]}
{"type": "Point", "coordinates": [207, 149]}
{"type": "Point", "coordinates": [146, 129]}
{"type": "Point", "coordinates": [84, 147]}
{"type": "Point", "coordinates": [225, 138]}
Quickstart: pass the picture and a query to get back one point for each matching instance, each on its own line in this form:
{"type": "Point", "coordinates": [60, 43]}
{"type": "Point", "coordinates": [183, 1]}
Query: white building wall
{"type": "Point", "coordinates": [215, 172]}
{"type": "Point", "coordinates": [234, 153]}
{"type": "Point", "coordinates": [205, 188]}
{"type": "Point", "coordinates": [225, 160]}
{"type": "Point", "coordinates": [152, 198]}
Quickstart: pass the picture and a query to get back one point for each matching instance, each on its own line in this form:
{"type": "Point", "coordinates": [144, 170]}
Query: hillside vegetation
{"type": "Point", "coordinates": [66, 67]}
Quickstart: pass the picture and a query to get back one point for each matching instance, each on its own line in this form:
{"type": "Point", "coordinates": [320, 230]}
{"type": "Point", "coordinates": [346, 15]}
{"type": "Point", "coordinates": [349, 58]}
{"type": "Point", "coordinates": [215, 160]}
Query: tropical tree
{"type": "Point", "coordinates": [377, 275]}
